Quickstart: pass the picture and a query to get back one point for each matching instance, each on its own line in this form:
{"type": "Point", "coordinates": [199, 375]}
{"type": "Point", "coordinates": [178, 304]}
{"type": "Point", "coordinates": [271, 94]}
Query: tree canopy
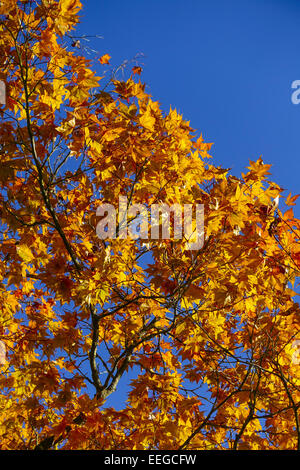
{"type": "Point", "coordinates": [207, 339]}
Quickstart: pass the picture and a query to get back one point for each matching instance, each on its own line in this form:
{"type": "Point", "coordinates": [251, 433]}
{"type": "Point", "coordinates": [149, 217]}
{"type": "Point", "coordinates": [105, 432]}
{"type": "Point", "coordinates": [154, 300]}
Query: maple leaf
{"type": "Point", "coordinates": [25, 253]}
{"type": "Point", "coordinates": [147, 120]}
{"type": "Point", "coordinates": [136, 70]}
{"type": "Point", "coordinates": [105, 59]}
{"type": "Point", "coordinates": [290, 200]}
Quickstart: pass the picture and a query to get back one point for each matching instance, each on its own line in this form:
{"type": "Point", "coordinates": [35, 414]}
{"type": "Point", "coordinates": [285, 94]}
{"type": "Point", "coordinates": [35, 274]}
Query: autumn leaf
{"type": "Point", "coordinates": [105, 59]}
{"type": "Point", "coordinates": [25, 253]}
{"type": "Point", "coordinates": [136, 70]}
{"type": "Point", "coordinates": [147, 120]}
{"type": "Point", "coordinates": [290, 200]}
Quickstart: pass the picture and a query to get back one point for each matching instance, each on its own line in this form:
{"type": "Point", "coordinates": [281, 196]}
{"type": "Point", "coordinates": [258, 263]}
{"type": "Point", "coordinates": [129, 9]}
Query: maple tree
{"type": "Point", "coordinates": [207, 337]}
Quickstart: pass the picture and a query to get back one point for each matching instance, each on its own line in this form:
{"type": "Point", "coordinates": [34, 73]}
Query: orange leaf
{"type": "Point", "coordinates": [137, 70]}
{"type": "Point", "coordinates": [105, 59]}
{"type": "Point", "coordinates": [290, 201]}
{"type": "Point", "coordinates": [289, 214]}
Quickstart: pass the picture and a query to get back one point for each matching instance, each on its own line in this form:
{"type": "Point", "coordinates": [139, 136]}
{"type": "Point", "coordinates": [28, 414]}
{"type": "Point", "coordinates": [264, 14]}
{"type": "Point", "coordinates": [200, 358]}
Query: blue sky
{"type": "Point", "coordinates": [227, 66]}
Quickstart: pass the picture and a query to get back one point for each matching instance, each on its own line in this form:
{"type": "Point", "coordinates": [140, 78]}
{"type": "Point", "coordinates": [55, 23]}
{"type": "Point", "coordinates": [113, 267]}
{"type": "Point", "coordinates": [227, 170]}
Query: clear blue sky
{"type": "Point", "coordinates": [226, 65]}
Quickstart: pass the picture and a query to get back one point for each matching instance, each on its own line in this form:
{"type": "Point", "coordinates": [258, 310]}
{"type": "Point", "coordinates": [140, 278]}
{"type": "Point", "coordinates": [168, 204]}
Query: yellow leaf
{"type": "Point", "coordinates": [113, 134]}
{"type": "Point", "coordinates": [25, 253]}
{"type": "Point", "coordinates": [147, 121]}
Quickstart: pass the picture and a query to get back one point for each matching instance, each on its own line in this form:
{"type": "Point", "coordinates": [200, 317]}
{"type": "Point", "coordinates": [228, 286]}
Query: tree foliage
{"type": "Point", "coordinates": [206, 340]}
